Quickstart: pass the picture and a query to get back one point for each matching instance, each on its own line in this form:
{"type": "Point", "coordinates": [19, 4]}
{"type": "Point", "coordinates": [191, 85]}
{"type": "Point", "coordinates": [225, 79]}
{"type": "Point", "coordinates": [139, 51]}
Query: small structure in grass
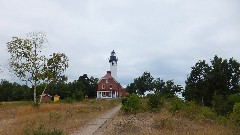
{"type": "Point", "coordinates": [56, 98]}
{"type": "Point", "coordinates": [46, 98]}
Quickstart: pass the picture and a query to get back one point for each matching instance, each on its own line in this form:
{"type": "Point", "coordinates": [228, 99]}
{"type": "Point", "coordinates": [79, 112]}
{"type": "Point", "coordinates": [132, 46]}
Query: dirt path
{"type": "Point", "coordinates": [94, 125]}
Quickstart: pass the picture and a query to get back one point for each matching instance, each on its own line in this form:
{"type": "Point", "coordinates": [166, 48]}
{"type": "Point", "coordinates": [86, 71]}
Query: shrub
{"type": "Point", "coordinates": [190, 110]}
{"type": "Point", "coordinates": [176, 105]}
{"type": "Point", "coordinates": [124, 100]}
{"type": "Point", "coordinates": [155, 102]}
{"type": "Point", "coordinates": [235, 115]}
{"type": "Point", "coordinates": [132, 104]}
{"type": "Point", "coordinates": [232, 100]}
{"type": "Point", "coordinates": [208, 113]}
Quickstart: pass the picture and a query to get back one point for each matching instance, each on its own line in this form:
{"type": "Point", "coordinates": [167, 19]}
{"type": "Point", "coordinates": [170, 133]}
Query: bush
{"type": "Point", "coordinates": [235, 115]}
{"type": "Point", "coordinates": [124, 100]}
{"type": "Point", "coordinates": [176, 105]}
{"type": "Point", "coordinates": [132, 104]}
{"type": "Point", "coordinates": [232, 100]}
{"type": "Point", "coordinates": [155, 102]}
{"type": "Point", "coordinates": [191, 110]}
{"type": "Point", "coordinates": [207, 113]}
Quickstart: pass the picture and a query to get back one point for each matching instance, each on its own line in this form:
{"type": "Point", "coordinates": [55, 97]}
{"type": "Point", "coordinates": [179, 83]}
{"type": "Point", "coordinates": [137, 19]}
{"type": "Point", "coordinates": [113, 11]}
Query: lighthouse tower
{"type": "Point", "coordinates": [113, 64]}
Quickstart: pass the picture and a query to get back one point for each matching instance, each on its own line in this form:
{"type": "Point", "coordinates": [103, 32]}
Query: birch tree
{"type": "Point", "coordinates": [27, 61]}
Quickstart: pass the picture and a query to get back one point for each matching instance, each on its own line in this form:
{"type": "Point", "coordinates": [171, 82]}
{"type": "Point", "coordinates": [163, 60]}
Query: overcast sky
{"type": "Point", "coordinates": [163, 37]}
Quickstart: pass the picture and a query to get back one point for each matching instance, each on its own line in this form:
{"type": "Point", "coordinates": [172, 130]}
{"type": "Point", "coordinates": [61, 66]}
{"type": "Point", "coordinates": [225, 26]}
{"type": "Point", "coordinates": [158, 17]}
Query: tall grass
{"type": "Point", "coordinates": [50, 118]}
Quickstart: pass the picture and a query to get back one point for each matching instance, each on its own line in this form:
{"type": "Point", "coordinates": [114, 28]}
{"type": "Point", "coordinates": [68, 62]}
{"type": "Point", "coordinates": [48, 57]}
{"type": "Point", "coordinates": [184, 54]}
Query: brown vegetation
{"type": "Point", "coordinates": [165, 123]}
{"type": "Point", "coordinates": [22, 118]}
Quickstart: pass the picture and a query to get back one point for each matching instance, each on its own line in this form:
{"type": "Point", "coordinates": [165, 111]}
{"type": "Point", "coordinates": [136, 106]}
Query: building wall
{"type": "Point", "coordinates": [107, 84]}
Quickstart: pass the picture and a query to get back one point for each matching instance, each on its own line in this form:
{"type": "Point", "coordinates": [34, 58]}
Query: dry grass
{"type": "Point", "coordinates": [18, 119]}
{"type": "Point", "coordinates": [164, 123]}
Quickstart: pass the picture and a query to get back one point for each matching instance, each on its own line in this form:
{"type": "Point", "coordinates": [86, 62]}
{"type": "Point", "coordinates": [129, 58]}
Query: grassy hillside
{"type": "Point", "coordinates": [20, 118]}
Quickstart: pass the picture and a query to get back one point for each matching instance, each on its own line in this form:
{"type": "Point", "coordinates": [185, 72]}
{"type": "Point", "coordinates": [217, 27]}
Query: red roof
{"type": "Point", "coordinates": [108, 75]}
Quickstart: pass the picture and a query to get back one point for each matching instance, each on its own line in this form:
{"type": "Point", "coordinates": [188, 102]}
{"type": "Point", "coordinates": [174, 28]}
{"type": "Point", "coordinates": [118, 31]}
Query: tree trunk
{"type": "Point", "coordinates": [34, 92]}
{"type": "Point", "coordinates": [43, 93]}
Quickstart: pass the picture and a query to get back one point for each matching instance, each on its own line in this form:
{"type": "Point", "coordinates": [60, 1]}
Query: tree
{"type": "Point", "coordinates": [131, 88]}
{"type": "Point", "coordinates": [56, 65]}
{"type": "Point", "coordinates": [29, 64]}
{"type": "Point", "coordinates": [89, 85]}
{"type": "Point", "coordinates": [221, 79]}
{"type": "Point", "coordinates": [197, 84]}
{"type": "Point", "coordinates": [170, 89]}
{"type": "Point", "coordinates": [143, 83]}
{"type": "Point", "coordinates": [158, 85]}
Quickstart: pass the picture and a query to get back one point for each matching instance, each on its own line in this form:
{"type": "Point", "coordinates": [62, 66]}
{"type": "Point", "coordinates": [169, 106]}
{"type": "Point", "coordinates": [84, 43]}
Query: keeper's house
{"type": "Point", "coordinates": [108, 87]}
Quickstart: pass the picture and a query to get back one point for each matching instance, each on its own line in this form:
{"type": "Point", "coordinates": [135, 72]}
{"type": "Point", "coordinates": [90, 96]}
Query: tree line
{"type": "Point", "coordinates": [146, 83]}
{"type": "Point", "coordinates": [75, 90]}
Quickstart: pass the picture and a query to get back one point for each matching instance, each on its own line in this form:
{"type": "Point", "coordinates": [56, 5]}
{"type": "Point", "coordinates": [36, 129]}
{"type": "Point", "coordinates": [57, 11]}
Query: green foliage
{"type": "Point", "coordinates": [132, 104]}
{"type": "Point", "coordinates": [176, 105]}
{"type": "Point", "coordinates": [131, 88]}
{"type": "Point", "coordinates": [219, 78]}
{"type": "Point", "coordinates": [14, 92]}
{"type": "Point", "coordinates": [169, 89]}
{"type": "Point", "coordinates": [124, 100]}
{"type": "Point", "coordinates": [69, 100]}
{"type": "Point", "coordinates": [143, 83]}
{"type": "Point", "coordinates": [233, 99]}
{"type": "Point", "coordinates": [78, 96]}
{"type": "Point", "coordinates": [220, 105]}
{"type": "Point", "coordinates": [155, 102]}
{"type": "Point", "coordinates": [207, 113]}
{"type": "Point", "coordinates": [235, 115]}
{"type": "Point", "coordinates": [191, 110]}
{"type": "Point", "coordinates": [147, 83]}
{"type": "Point", "coordinates": [29, 65]}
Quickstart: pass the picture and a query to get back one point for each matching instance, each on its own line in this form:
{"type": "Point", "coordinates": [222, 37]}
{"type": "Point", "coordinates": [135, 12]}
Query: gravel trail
{"type": "Point", "coordinates": [94, 125]}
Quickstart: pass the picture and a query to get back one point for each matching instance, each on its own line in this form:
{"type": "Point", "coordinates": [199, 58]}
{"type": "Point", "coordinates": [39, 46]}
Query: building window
{"type": "Point", "coordinates": [110, 86]}
{"type": "Point", "coordinates": [103, 86]}
{"type": "Point", "coordinates": [106, 80]}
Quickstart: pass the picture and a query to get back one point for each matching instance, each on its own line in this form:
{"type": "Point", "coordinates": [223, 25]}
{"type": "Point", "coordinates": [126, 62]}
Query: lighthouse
{"type": "Point", "coordinates": [113, 64]}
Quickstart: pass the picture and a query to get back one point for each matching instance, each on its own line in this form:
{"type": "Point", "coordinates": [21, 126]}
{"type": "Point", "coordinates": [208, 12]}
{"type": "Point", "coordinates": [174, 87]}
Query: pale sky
{"type": "Point", "coordinates": [163, 37]}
